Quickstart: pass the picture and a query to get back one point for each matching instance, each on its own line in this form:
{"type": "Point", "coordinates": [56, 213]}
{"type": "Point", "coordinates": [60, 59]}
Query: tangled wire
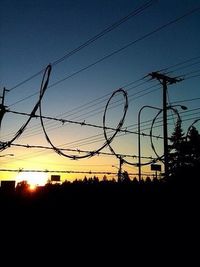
{"type": "Point", "coordinates": [161, 158]}
{"type": "Point", "coordinates": [38, 105]}
{"type": "Point", "coordinates": [43, 87]}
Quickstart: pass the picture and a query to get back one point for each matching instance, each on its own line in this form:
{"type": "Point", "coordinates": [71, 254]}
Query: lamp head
{"type": "Point", "coordinates": [184, 107]}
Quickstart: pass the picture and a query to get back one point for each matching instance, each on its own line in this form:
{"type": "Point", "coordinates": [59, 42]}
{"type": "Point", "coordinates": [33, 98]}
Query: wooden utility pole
{"type": "Point", "coordinates": [165, 80]}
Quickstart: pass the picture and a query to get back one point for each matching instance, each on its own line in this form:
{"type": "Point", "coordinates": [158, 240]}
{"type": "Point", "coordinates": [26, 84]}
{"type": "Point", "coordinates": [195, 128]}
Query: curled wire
{"type": "Point", "coordinates": [119, 125]}
{"type": "Point", "coordinates": [108, 140]}
{"type": "Point", "coordinates": [190, 127]}
{"type": "Point", "coordinates": [43, 87]}
{"type": "Point", "coordinates": [161, 158]}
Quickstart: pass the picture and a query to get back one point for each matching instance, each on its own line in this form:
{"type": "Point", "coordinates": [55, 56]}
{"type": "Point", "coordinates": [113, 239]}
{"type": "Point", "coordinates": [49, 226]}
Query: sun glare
{"type": "Point", "coordinates": [33, 179]}
{"type": "Point", "coordinates": [32, 187]}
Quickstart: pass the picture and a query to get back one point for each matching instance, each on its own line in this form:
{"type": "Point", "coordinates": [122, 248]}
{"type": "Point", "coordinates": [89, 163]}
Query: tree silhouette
{"type": "Point", "coordinates": [125, 177]}
{"type": "Point", "coordinates": [184, 152]}
{"type": "Point", "coordinates": [176, 150]}
{"type": "Point", "coordinates": [22, 186]}
{"type": "Point", "coordinates": [194, 146]}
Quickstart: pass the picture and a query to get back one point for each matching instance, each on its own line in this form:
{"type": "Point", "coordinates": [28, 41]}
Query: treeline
{"type": "Point", "coordinates": [93, 195]}
{"type": "Point", "coordinates": [88, 192]}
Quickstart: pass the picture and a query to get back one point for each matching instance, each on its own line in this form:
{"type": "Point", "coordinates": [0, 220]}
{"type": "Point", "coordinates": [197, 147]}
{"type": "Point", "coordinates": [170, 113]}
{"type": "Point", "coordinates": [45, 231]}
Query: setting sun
{"type": "Point", "coordinates": [32, 187]}
{"type": "Point", "coordinates": [33, 179]}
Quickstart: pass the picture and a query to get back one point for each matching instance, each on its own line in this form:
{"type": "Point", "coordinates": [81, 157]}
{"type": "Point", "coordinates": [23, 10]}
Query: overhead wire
{"type": "Point", "coordinates": [20, 170]}
{"type": "Point", "coordinates": [80, 123]}
{"type": "Point", "coordinates": [128, 132]}
{"type": "Point", "coordinates": [135, 12]}
{"type": "Point", "coordinates": [83, 116]}
{"type": "Point", "coordinates": [107, 94]}
{"type": "Point", "coordinates": [75, 150]}
{"type": "Point", "coordinates": [178, 64]}
{"type": "Point", "coordinates": [30, 146]}
{"type": "Point", "coordinates": [122, 86]}
{"type": "Point", "coordinates": [186, 100]}
{"type": "Point", "coordinates": [43, 87]}
{"type": "Point", "coordinates": [92, 142]}
{"type": "Point", "coordinates": [108, 141]}
{"type": "Point", "coordinates": [189, 77]}
{"type": "Point", "coordinates": [126, 46]}
{"type": "Point", "coordinates": [183, 67]}
{"type": "Point", "coordinates": [63, 121]}
{"type": "Point", "coordinates": [129, 88]}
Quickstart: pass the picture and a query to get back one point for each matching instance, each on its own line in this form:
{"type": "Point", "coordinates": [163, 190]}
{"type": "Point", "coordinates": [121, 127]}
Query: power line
{"type": "Point", "coordinates": [88, 103]}
{"type": "Point", "coordinates": [100, 140]}
{"type": "Point", "coordinates": [184, 67]}
{"type": "Point", "coordinates": [77, 150]}
{"type": "Point", "coordinates": [92, 112]}
{"type": "Point", "coordinates": [43, 87]}
{"type": "Point", "coordinates": [142, 134]}
{"type": "Point", "coordinates": [20, 170]}
{"type": "Point", "coordinates": [125, 47]}
{"type": "Point", "coordinates": [178, 64]}
{"type": "Point", "coordinates": [91, 40]}
{"type": "Point", "coordinates": [133, 126]}
{"type": "Point", "coordinates": [57, 171]}
{"type": "Point", "coordinates": [191, 77]}
{"type": "Point", "coordinates": [101, 109]}
{"type": "Point", "coordinates": [186, 100]}
{"type": "Point", "coordinates": [128, 127]}
{"type": "Point", "coordinates": [192, 72]}
{"type": "Point", "coordinates": [144, 122]}
{"type": "Point", "coordinates": [112, 105]}
{"type": "Point", "coordinates": [63, 121]}
{"type": "Point", "coordinates": [125, 85]}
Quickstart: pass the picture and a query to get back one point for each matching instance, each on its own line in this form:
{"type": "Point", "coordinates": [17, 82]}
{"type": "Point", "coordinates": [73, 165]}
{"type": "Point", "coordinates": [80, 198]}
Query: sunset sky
{"type": "Point", "coordinates": [36, 33]}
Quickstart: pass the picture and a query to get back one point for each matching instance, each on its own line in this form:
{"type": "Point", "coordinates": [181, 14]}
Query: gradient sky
{"type": "Point", "coordinates": [36, 33]}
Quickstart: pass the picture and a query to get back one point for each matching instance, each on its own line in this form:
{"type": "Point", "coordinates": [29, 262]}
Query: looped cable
{"type": "Point", "coordinates": [120, 124]}
{"type": "Point", "coordinates": [161, 158]}
{"type": "Point", "coordinates": [43, 87]}
{"type": "Point", "coordinates": [190, 127]}
{"type": "Point", "coordinates": [108, 140]}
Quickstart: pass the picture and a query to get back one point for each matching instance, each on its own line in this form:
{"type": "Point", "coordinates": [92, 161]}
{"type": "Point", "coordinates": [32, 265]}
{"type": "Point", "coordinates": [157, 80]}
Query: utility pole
{"type": "Point", "coordinates": [2, 106]}
{"type": "Point", "coordinates": [165, 80]}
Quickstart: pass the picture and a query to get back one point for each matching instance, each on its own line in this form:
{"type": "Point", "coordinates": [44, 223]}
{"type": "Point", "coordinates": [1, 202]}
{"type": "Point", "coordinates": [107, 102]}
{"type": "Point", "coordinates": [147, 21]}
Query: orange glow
{"type": "Point", "coordinates": [32, 187]}
{"type": "Point", "coordinates": [34, 179]}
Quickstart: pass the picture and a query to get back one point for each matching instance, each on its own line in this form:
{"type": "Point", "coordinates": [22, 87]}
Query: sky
{"type": "Point", "coordinates": [37, 33]}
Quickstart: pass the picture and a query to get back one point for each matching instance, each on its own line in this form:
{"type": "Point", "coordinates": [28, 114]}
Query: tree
{"type": "Point", "coordinates": [176, 149]}
{"type": "Point", "coordinates": [194, 146]}
{"type": "Point", "coordinates": [125, 177]}
{"type": "Point", "coordinates": [105, 179]}
{"type": "Point", "coordinates": [184, 152]}
{"type": "Point", "coordinates": [22, 186]}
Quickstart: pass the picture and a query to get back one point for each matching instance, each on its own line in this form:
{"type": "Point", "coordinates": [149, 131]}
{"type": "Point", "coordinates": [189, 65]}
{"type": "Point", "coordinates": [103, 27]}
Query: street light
{"type": "Point", "coordinates": [165, 141]}
{"type": "Point", "coordinates": [183, 107]}
{"type": "Point", "coordinates": [139, 146]}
